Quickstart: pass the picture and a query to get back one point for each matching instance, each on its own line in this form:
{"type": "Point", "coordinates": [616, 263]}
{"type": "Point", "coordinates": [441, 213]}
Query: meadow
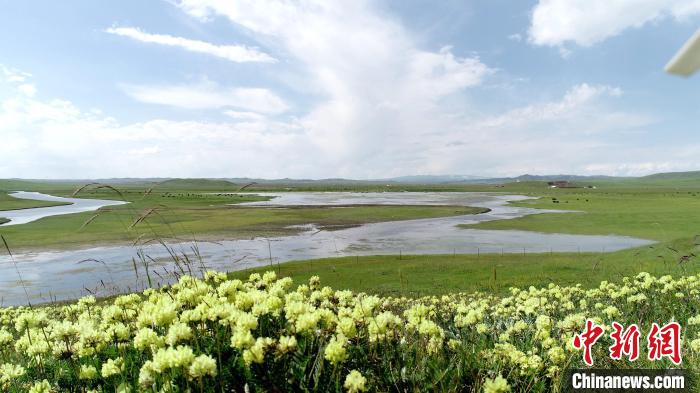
{"type": "Point", "coordinates": [185, 211]}
{"type": "Point", "coordinates": [449, 323]}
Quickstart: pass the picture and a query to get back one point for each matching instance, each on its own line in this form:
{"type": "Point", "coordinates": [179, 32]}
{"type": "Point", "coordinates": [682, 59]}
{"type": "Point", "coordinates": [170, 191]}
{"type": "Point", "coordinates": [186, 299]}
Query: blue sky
{"type": "Point", "coordinates": [362, 89]}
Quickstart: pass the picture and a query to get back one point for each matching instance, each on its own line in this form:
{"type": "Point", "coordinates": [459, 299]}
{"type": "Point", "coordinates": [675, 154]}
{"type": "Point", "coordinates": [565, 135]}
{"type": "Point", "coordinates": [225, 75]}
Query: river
{"type": "Point", "coordinates": [76, 205]}
{"type": "Point", "coordinates": [66, 274]}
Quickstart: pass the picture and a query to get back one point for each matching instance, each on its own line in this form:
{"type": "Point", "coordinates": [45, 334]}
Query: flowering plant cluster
{"type": "Point", "coordinates": [216, 334]}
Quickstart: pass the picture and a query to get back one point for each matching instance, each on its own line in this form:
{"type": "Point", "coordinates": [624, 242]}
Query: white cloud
{"type": "Point", "coordinates": [235, 53]}
{"type": "Point", "coordinates": [243, 115]}
{"type": "Point", "coordinates": [571, 104]}
{"type": "Point", "coordinates": [208, 95]}
{"type": "Point", "coordinates": [14, 76]}
{"type": "Point", "coordinates": [564, 52]}
{"type": "Point", "coordinates": [27, 89]}
{"type": "Point", "coordinates": [145, 151]}
{"type": "Point", "coordinates": [440, 74]}
{"type": "Point", "coordinates": [374, 85]}
{"type": "Point", "coordinates": [587, 22]}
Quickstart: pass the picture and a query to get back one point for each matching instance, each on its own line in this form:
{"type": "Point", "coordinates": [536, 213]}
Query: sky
{"type": "Point", "coordinates": [353, 89]}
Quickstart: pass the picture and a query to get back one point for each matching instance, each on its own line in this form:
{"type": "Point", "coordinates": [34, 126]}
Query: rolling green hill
{"type": "Point", "coordinates": [196, 184]}
{"type": "Point", "coordinates": [674, 175]}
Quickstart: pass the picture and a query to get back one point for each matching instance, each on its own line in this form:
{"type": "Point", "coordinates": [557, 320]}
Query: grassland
{"type": "Point", "coordinates": [233, 335]}
{"type": "Point", "coordinates": [171, 213]}
{"type": "Point", "coordinates": [664, 214]}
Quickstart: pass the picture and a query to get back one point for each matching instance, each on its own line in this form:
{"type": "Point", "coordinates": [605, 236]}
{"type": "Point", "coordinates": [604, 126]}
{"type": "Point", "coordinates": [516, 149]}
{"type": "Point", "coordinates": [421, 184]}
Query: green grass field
{"type": "Point", "coordinates": [662, 215]}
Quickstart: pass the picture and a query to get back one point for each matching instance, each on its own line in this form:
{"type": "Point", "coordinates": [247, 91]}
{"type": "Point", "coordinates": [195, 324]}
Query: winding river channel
{"type": "Point", "coordinates": [74, 205]}
{"type": "Point", "coordinates": [65, 274]}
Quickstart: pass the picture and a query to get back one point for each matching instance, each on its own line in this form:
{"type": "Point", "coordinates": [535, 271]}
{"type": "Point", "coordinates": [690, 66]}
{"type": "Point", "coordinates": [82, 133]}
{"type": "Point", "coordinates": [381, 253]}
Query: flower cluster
{"type": "Point", "coordinates": [219, 334]}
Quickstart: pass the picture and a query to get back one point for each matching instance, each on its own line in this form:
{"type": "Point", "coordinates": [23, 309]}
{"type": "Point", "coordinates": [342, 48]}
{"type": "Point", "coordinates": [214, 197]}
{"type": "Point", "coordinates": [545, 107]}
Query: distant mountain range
{"type": "Point", "coordinates": [693, 176]}
{"type": "Point", "coordinates": [437, 179]}
{"type": "Point", "coordinates": [434, 179]}
{"type": "Point", "coordinates": [471, 179]}
{"type": "Point", "coordinates": [569, 178]}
